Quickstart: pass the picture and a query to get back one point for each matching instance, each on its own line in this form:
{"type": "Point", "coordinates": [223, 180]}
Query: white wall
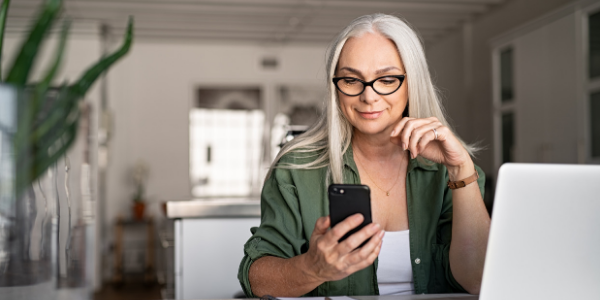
{"type": "Point", "coordinates": [152, 91]}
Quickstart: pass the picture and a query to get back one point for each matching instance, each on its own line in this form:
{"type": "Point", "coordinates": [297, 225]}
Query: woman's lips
{"type": "Point", "coordinates": [370, 115]}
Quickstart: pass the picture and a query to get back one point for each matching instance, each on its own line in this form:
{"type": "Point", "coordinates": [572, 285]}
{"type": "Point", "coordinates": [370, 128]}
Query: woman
{"type": "Point", "coordinates": [384, 127]}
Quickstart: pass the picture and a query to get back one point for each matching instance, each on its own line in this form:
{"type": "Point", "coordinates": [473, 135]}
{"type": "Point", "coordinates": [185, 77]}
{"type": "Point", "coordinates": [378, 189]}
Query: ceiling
{"type": "Point", "coordinates": [252, 21]}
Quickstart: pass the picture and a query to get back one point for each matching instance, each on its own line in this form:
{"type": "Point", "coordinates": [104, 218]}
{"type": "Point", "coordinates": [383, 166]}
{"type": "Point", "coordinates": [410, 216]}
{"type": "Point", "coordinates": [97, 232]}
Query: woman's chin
{"type": "Point", "coordinates": [371, 130]}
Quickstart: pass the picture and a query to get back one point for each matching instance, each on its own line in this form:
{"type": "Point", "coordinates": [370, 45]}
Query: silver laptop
{"type": "Point", "coordinates": [545, 234]}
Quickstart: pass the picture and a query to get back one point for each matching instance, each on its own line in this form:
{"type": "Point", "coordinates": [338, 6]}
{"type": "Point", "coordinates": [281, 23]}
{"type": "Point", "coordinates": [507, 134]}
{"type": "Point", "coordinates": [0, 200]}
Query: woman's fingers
{"type": "Point", "coordinates": [405, 132]}
{"type": "Point", "coordinates": [367, 254]}
{"type": "Point", "coordinates": [339, 230]}
{"type": "Point", "coordinates": [332, 260]}
{"type": "Point", "coordinates": [322, 225]}
{"type": "Point", "coordinates": [416, 136]}
{"type": "Point", "coordinates": [359, 237]}
{"type": "Point", "coordinates": [400, 125]}
{"type": "Point", "coordinates": [396, 136]}
{"type": "Point", "coordinates": [320, 229]}
{"type": "Point", "coordinates": [366, 250]}
{"type": "Point", "coordinates": [364, 256]}
{"type": "Point", "coordinates": [421, 136]}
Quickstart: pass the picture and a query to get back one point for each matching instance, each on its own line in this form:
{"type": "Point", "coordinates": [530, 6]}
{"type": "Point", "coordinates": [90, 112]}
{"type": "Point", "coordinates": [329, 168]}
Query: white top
{"type": "Point", "coordinates": [394, 269]}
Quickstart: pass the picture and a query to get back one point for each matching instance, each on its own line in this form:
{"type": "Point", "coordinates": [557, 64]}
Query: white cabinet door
{"type": "Point", "coordinates": [209, 254]}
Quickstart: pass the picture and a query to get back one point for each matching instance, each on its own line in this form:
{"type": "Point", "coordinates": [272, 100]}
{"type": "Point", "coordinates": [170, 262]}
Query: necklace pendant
{"type": "Point", "coordinates": [387, 193]}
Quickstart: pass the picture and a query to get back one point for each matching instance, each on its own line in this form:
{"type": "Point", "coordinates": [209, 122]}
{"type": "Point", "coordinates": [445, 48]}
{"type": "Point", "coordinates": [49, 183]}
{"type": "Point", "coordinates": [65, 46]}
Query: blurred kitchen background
{"type": "Point", "coordinates": [195, 114]}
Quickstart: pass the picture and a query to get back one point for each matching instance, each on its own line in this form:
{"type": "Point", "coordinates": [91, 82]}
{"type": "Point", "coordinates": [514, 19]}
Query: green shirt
{"type": "Point", "coordinates": [293, 199]}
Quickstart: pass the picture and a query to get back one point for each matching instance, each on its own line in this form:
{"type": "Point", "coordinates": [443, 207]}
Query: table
{"type": "Point", "coordinates": [120, 224]}
{"type": "Point", "coordinates": [420, 297]}
{"type": "Point", "coordinates": [399, 297]}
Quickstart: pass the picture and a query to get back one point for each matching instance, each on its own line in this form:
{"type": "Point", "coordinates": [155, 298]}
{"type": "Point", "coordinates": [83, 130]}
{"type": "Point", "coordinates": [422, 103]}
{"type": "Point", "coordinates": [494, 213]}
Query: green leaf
{"type": "Point", "coordinates": [87, 79]}
{"type": "Point", "coordinates": [33, 166]}
{"type": "Point", "coordinates": [19, 72]}
{"type": "Point", "coordinates": [32, 110]}
{"type": "Point", "coordinates": [41, 88]}
{"type": "Point", "coordinates": [46, 132]}
{"type": "Point", "coordinates": [3, 16]}
{"type": "Point", "coordinates": [49, 156]}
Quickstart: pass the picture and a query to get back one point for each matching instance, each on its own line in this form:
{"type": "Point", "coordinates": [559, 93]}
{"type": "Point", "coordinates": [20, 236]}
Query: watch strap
{"type": "Point", "coordinates": [463, 182]}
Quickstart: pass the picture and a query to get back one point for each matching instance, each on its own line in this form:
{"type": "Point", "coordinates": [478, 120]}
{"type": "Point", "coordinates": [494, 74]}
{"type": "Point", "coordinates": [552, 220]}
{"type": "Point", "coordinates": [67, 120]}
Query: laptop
{"type": "Point", "coordinates": [544, 238]}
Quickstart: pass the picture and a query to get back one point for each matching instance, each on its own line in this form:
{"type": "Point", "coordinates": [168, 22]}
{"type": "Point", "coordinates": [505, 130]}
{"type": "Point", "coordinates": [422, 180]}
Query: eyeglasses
{"type": "Point", "coordinates": [384, 85]}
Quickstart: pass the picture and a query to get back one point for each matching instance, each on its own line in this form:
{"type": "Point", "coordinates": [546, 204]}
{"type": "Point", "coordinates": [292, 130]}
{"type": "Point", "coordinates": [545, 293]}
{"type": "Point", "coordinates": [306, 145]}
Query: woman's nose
{"type": "Point", "coordinates": [369, 95]}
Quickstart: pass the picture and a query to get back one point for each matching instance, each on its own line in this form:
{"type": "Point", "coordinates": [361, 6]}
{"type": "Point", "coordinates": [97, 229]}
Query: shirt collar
{"type": "Point", "coordinates": [419, 162]}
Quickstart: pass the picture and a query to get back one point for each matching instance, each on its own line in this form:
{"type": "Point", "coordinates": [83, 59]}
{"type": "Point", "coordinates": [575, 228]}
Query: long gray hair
{"type": "Point", "coordinates": [330, 137]}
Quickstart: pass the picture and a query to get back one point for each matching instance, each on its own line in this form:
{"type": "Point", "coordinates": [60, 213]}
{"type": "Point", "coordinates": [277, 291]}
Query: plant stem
{"type": "Point", "coordinates": [3, 17]}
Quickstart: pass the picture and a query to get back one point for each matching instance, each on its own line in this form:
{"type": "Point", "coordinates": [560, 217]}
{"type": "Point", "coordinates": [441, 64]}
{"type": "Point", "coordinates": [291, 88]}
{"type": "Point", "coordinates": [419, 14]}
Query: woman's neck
{"type": "Point", "coordinates": [376, 147]}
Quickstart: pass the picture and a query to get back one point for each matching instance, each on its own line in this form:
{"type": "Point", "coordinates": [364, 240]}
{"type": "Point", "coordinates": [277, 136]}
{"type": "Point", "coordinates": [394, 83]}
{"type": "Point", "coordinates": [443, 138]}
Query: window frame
{"type": "Point", "coordinates": [589, 86]}
{"type": "Point", "coordinates": [500, 106]}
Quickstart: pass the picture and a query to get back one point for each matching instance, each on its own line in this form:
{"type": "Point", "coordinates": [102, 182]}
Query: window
{"type": "Point", "coordinates": [226, 130]}
{"type": "Point", "coordinates": [504, 102]}
{"type": "Point", "coordinates": [594, 44]}
{"type": "Point", "coordinates": [506, 75]}
{"type": "Point", "coordinates": [595, 124]}
{"type": "Point", "coordinates": [298, 107]}
{"type": "Point", "coordinates": [593, 84]}
{"type": "Point", "coordinates": [508, 136]}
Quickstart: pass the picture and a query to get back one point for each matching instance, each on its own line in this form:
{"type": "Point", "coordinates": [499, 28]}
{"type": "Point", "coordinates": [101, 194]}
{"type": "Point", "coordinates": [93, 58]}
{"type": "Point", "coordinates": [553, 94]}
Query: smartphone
{"type": "Point", "coordinates": [346, 200]}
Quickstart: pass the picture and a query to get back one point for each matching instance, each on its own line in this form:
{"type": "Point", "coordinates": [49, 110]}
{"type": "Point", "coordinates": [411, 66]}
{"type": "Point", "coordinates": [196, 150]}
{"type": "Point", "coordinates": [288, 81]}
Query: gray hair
{"type": "Point", "coordinates": [330, 137]}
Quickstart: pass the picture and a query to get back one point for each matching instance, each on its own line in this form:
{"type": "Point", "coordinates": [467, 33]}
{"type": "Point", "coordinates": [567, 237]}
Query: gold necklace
{"type": "Point", "coordinates": [387, 193]}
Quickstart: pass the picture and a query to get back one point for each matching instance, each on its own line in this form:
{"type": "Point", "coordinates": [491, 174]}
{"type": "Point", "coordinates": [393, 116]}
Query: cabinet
{"type": "Point", "coordinates": [209, 245]}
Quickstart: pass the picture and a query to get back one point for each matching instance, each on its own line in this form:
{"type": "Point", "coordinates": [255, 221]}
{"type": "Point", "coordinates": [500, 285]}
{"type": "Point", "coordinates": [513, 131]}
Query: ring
{"type": "Point", "coordinates": [435, 132]}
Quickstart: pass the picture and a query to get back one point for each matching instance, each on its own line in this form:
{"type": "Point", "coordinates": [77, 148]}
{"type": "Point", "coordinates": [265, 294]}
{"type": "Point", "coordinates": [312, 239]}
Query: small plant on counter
{"type": "Point", "coordinates": [139, 174]}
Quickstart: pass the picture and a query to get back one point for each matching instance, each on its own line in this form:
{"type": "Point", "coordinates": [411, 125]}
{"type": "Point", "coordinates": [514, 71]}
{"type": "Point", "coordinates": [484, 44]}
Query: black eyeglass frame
{"type": "Point", "coordinates": [370, 83]}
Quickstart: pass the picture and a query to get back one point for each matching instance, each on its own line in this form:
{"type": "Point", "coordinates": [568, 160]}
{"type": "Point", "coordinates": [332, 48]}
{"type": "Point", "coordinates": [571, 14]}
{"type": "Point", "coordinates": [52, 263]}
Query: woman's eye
{"type": "Point", "coordinates": [388, 81]}
{"type": "Point", "coordinates": [350, 81]}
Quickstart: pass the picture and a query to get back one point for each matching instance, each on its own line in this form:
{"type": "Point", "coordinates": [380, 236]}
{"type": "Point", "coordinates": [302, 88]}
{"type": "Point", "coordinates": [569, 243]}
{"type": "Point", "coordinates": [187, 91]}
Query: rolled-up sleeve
{"type": "Point", "coordinates": [280, 231]}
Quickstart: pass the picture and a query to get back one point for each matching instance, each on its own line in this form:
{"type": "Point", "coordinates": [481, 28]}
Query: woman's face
{"type": "Point", "coordinates": [368, 57]}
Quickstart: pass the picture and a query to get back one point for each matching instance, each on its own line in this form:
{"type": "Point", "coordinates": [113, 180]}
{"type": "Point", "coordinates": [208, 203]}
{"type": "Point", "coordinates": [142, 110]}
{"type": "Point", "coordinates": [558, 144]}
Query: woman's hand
{"type": "Point", "coordinates": [329, 260]}
{"type": "Point", "coordinates": [418, 137]}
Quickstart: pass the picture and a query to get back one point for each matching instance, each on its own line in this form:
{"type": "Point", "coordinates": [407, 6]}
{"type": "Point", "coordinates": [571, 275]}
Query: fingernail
{"type": "Point", "coordinates": [372, 228]}
{"type": "Point", "coordinates": [357, 217]}
{"type": "Point", "coordinates": [403, 146]}
{"type": "Point", "coordinates": [381, 234]}
{"type": "Point", "coordinates": [393, 132]}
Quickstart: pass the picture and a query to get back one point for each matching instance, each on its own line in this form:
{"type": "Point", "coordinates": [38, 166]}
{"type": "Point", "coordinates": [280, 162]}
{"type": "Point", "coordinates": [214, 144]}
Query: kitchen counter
{"type": "Point", "coordinates": [214, 208]}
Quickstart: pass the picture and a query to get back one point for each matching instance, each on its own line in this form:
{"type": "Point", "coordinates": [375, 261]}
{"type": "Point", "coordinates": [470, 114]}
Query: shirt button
{"type": "Point", "coordinates": [417, 261]}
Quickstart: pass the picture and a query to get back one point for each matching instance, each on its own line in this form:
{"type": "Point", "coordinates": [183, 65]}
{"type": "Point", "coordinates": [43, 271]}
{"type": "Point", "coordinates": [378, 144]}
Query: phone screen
{"type": "Point", "coordinates": [346, 200]}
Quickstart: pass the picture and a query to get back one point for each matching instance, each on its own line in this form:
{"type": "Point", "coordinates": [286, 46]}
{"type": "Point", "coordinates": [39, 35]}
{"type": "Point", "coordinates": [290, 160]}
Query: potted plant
{"type": "Point", "coordinates": [38, 125]}
{"type": "Point", "coordinates": [139, 174]}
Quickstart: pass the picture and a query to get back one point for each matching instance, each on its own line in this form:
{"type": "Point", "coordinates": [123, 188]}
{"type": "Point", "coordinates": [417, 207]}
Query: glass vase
{"type": "Point", "coordinates": [46, 229]}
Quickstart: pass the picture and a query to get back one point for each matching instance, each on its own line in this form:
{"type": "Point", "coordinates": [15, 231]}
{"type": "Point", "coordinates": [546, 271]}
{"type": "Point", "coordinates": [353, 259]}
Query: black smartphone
{"type": "Point", "coordinates": [346, 200]}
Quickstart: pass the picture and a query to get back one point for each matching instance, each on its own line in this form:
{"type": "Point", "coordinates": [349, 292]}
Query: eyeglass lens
{"type": "Point", "coordinates": [384, 85]}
